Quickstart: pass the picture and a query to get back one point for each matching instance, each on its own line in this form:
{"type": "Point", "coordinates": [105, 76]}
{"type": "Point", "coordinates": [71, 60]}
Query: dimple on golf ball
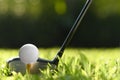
{"type": "Point", "coordinates": [28, 53]}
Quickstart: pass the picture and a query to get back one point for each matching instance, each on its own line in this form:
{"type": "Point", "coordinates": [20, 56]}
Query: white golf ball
{"type": "Point", "coordinates": [28, 53]}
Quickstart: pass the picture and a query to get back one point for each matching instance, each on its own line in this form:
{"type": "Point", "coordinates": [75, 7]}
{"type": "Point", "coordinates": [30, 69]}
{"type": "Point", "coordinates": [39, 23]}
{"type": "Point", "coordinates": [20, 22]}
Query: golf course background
{"type": "Point", "coordinates": [93, 53]}
{"type": "Point", "coordinates": [46, 23]}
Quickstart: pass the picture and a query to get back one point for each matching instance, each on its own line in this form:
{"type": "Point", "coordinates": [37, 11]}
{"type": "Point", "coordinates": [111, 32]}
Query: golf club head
{"type": "Point", "coordinates": [16, 65]}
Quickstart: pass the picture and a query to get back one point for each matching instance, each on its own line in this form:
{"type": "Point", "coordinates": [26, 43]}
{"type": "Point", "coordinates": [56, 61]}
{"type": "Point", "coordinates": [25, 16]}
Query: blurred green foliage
{"type": "Point", "coordinates": [46, 23]}
{"type": "Point", "coordinates": [106, 8]}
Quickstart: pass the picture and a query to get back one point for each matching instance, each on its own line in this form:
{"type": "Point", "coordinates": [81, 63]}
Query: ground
{"type": "Point", "coordinates": [76, 64]}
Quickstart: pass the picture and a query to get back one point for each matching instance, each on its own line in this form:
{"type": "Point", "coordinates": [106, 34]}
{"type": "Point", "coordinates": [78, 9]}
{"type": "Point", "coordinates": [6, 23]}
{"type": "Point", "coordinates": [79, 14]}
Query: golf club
{"type": "Point", "coordinates": [16, 65]}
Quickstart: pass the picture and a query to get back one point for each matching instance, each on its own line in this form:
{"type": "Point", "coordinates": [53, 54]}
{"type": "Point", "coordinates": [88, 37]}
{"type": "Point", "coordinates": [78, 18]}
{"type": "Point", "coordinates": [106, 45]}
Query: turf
{"type": "Point", "coordinates": [76, 64]}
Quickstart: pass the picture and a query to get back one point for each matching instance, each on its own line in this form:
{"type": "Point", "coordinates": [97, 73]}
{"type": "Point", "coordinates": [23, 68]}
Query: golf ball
{"type": "Point", "coordinates": [28, 53]}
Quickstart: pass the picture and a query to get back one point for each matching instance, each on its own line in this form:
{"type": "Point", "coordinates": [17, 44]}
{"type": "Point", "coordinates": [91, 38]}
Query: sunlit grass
{"type": "Point", "coordinates": [76, 64]}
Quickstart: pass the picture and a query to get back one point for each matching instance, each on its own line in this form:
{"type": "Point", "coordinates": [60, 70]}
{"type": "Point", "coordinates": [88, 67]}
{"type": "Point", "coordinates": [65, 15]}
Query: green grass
{"type": "Point", "coordinates": [76, 64]}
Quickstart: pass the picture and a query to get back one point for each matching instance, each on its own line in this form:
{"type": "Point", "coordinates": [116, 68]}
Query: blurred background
{"type": "Point", "coordinates": [46, 23]}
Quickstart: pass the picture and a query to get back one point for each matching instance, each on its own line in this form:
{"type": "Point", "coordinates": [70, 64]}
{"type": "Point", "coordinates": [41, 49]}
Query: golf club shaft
{"type": "Point", "coordinates": [73, 30]}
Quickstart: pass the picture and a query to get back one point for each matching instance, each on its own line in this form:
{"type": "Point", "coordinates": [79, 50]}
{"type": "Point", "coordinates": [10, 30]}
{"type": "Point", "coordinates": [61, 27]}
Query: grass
{"type": "Point", "coordinates": [76, 64]}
